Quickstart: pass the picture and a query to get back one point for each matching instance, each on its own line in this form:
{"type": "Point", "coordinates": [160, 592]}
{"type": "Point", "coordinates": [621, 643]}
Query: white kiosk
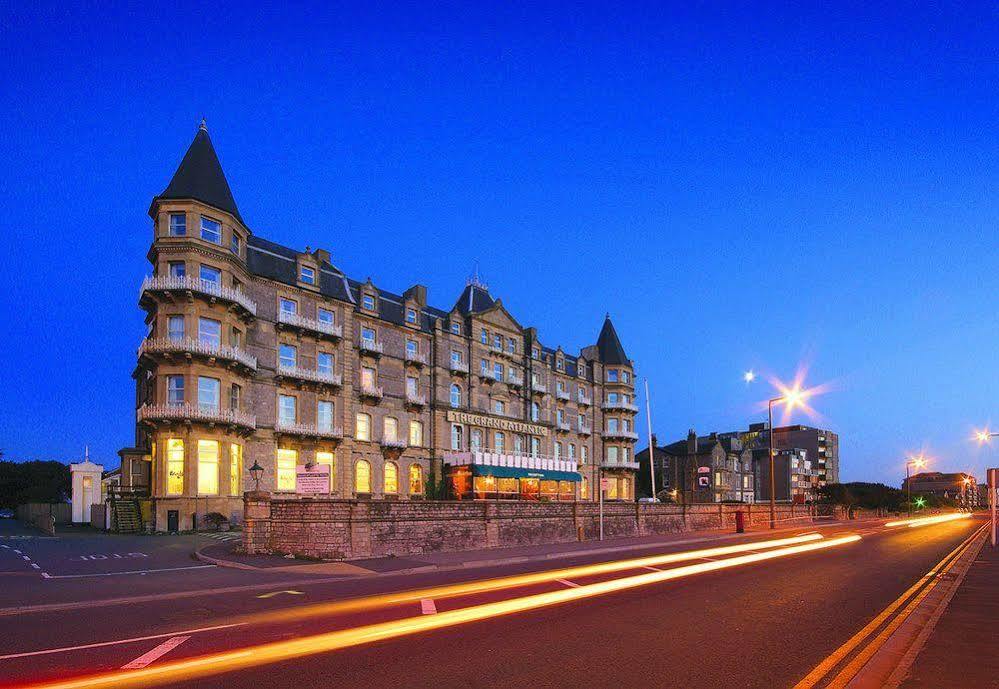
{"type": "Point", "coordinates": [86, 487]}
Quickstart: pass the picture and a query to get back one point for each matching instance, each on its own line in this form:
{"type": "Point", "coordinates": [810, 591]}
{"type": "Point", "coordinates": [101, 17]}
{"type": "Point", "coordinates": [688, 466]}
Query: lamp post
{"type": "Point", "coordinates": [918, 462]}
{"type": "Point", "coordinates": [991, 480]}
{"type": "Point", "coordinates": [792, 398]}
{"type": "Point", "coordinates": [256, 471]}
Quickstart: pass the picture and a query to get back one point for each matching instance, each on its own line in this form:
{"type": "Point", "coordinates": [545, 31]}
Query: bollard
{"type": "Point", "coordinates": [740, 522]}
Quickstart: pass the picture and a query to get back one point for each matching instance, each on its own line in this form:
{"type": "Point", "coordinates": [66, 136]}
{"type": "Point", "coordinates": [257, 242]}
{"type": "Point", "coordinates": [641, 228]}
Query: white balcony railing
{"type": "Point", "coordinates": [627, 406]}
{"type": "Point", "coordinates": [562, 394]}
{"type": "Point", "coordinates": [189, 345]}
{"type": "Point", "coordinates": [309, 429]}
{"type": "Point", "coordinates": [618, 464]}
{"type": "Point", "coordinates": [514, 378]}
{"type": "Point", "coordinates": [509, 458]}
{"type": "Point", "coordinates": [563, 425]}
{"type": "Point", "coordinates": [371, 391]}
{"type": "Point", "coordinates": [416, 399]}
{"type": "Point", "coordinates": [193, 284]}
{"type": "Point", "coordinates": [583, 398]}
{"type": "Point", "coordinates": [196, 413]}
{"type": "Point", "coordinates": [539, 386]}
{"type": "Point", "coordinates": [316, 326]}
{"type": "Point", "coordinates": [394, 443]}
{"type": "Point", "coordinates": [368, 345]}
{"type": "Point", "coordinates": [585, 429]}
{"type": "Point", "coordinates": [624, 435]}
{"type": "Point", "coordinates": [418, 358]}
{"type": "Point", "coordinates": [459, 366]}
{"type": "Point", "coordinates": [310, 375]}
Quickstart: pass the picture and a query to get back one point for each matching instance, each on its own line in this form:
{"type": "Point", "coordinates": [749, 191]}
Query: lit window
{"type": "Point", "coordinates": [287, 409]}
{"type": "Point", "coordinates": [177, 269]}
{"type": "Point", "coordinates": [499, 442]}
{"type": "Point", "coordinates": [175, 390]}
{"type": "Point", "coordinates": [363, 427]}
{"type": "Point", "coordinates": [175, 328]}
{"type": "Point", "coordinates": [456, 328]}
{"type": "Point", "coordinates": [411, 315]}
{"type": "Point", "coordinates": [583, 453]}
{"type": "Point", "coordinates": [476, 440]}
{"type": "Point", "coordinates": [368, 302]}
{"type": "Point", "coordinates": [391, 477]}
{"type": "Point", "coordinates": [412, 386]}
{"type": "Point", "coordinates": [209, 274]}
{"type": "Point", "coordinates": [416, 434]}
{"type": "Point", "coordinates": [326, 316]}
{"type": "Point", "coordinates": [326, 459]}
{"type": "Point", "coordinates": [307, 275]}
{"type": "Point", "coordinates": [287, 356]}
{"type": "Point", "coordinates": [178, 224]}
{"type": "Point", "coordinates": [234, 244]}
{"type": "Point", "coordinates": [411, 348]}
{"type": "Point", "coordinates": [287, 460]}
{"type": "Point", "coordinates": [324, 363]}
{"type": "Point", "coordinates": [390, 429]}
{"type": "Point", "coordinates": [367, 377]}
{"type": "Point", "coordinates": [415, 479]}
{"type": "Point", "coordinates": [208, 467]}
{"type": "Point", "coordinates": [584, 489]}
{"type": "Point", "coordinates": [455, 437]}
{"type": "Point", "coordinates": [612, 374]}
{"type": "Point", "coordinates": [288, 306]}
{"type": "Point", "coordinates": [324, 415]}
{"type": "Point", "coordinates": [455, 395]}
{"type": "Point", "coordinates": [209, 332]}
{"type": "Point", "coordinates": [209, 393]}
{"type": "Point", "coordinates": [235, 469]}
{"type": "Point", "coordinates": [211, 230]}
{"type": "Point", "coordinates": [499, 407]}
{"type": "Point", "coordinates": [362, 476]}
{"type": "Point", "coordinates": [175, 466]}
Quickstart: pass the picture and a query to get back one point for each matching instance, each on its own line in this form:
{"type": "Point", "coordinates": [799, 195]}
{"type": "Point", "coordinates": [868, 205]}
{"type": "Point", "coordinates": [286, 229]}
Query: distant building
{"type": "Point", "coordinates": [796, 476]}
{"type": "Point", "coordinates": [958, 486]}
{"type": "Point", "coordinates": [706, 469]}
{"type": "Point", "coordinates": [821, 445]}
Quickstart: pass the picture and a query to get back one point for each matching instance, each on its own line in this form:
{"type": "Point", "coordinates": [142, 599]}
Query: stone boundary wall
{"type": "Point", "coordinates": [351, 529]}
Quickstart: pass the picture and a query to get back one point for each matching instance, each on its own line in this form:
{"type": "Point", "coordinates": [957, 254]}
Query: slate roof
{"type": "Point", "coordinates": [609, 345]}
{"type": "Point", "coordinates": [199, 176]}
{"type": "Point", "coordinates": [474, 298]}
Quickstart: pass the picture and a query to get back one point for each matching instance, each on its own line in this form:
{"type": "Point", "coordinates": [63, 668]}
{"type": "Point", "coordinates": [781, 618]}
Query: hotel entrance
{"type": "Point", "coordinates": [508, 483]}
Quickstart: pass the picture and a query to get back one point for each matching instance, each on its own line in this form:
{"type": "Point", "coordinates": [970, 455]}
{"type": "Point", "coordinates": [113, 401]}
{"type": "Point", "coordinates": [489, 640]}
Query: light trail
{"type": "Point", "coordinates": [499, 583]}
{"type": "Point", "coordinates": [925, 521]}
{"type": "Point", "coordinates": [275, 651]}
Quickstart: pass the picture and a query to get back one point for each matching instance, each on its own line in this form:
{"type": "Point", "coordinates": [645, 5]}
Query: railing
{"type": "Point", "coordinates": [585, 429]}
{"type": "Point", "coordinates": [459, 366]}
{"type": "Point", "coordinates": [417, 358]}
{"type": "Point", "coordinates": [563, 425]}
{"type": "Point", "coordinates": [371, 391]}
{"type": "Point", "coordinates": [309, 429]}
{"type": "Point", "coordinates": [584, 399]}
{"type": "Point", "coordinates": [293, 319]}
{"type": "Point", "coordinates": [618, 464]}
{"type": "Point", "coordinates": [509, 458]}
{"type": "Point", "coordinates": [628, 406]}
{"type": "Point", "coordinates": [562, 394]}
{"type": "Point", "coordinates": [394, 443]}
{"type": "Point", "coordinates": [368, 345]}
{"type": "Point", "coordinates": [310, 375]}
{"type": "Point", "coordinates": [514, 378]}
{"type": "Point", "coordinates": [189, 345]}
{"type": "Point", "coordinates": [199, 413]}
{"type": "Point", "coordinates": [539, 386]}
{"type": "Point", "coordinates": [627, 435]}
{"type": "Point", "coordinates": [193, 284]}
{"type": "Point", "coordinates": [416, 399]}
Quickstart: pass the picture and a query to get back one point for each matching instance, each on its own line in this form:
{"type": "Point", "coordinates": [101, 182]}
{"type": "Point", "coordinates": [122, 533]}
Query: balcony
{"type": "Point", "coordinates": [417, 359]}
{"type": "Point", "coordinates": [393, 443]}
{"type": "Point", "coordinates": [189, 347]}
{"type": "Point", "coordinates": [562, 395]}
{"type": "Point", "coordinates": [539, 386]}
{"type": "Point", "coordinates": [515, 379]}
{"type": "Point", "coordinates": [310, 375]}
{"type": "Point", "coordinates": [369, 346]}
{"type": "Point", "coordinates": [619, 406]}
{"type": "Point", "coordinates": [370, 391]}
{"type": "Point", "coordinates": [459, 367]}
{"type": "Point", "coordinates": [620, 435]}
{"type": "Point", "coordinates": [191, 285]}
{"type": "Point", "coordinates": [309, 430]}
{"type": "Point", "coordinates": [563, 426]}
{"type": "Point", "coordinates": [293, 320]}
{"type": "Point", "coordinates": [584, 429]}
{"type": "Point", "coordinates": [508, 458]}
{"type": "Point", "coordinates": [583, 398]}
{"type": "Point", "coordinates": [415, 399]}
{"type": "Point", "coordinates": [618, 464]}
{"type": "Point", "coordinates": [189, 413]}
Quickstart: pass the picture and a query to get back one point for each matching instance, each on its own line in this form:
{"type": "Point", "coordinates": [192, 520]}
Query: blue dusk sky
{"type": "Point", "coordinates": [740, 186]}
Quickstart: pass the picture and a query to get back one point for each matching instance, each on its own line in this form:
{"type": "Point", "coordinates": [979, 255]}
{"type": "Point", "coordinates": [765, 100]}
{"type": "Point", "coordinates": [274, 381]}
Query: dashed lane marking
{"type": "Point", "coordinates": [566, 582]}
{"type": "Point", "coordinates": [134, 571]}
{"type": "Point", "coordinates": [117, 642]}
{"type": "Point", "coordinates": [651, 568]}
{"type": "Point", "coordinates": [428, 607]}
{"type": "Point", "coordinates": [158, 652]}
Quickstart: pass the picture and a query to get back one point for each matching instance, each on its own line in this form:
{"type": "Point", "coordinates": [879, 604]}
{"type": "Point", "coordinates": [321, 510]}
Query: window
{"type": "Point", "coordinates": [612, 425]}
{"type": "Point", "coordinates": [582, 369]}
{"type": "Point", "coordinates": [484, 336]}
{"type": "Point", "coordinates": [211, 230]}
{"type": "Point", "coordinates": [390, 429]}
{"type": "Point", "coordinates": [362, 476]}
{"type": "Point", "coordinates": [287, 355]}
{"type": "Point", "coordinates": [415, 479]}
{"type": "Point", "coordinates": [208, 467]}
{"type": "Point", "coordinates": [583, 453]}
{"type": "Point", "coordinates": [511, 345]}
{"type": "Point", "coordinates": [499, 407]}
{"type": "Point", "coordinates": [209, 393]}
{"type": "Point", "coordinates": [287, 409]}
{"type": "Point", "coordinates": [288, 307]}
{"type": "Point", "coordinates": [175, 466]}
{"type": "Point", "coordinates": [209, 332]}
{"type": "Point", "coordinates": [518, 444]}
{"type": "Point", "coordinates": [325, 316]}
{"type": "Point", "coordinates": [175, 390]}
{"type": "Point", "coordinates": [499, 442]}
{"type": "Point", "coordinates": [626, 425]}
{"type": "Point", "coordinates": [212, 275]}
{"type": "Point", "coordinates": [625, 376]}
{"type": "Point", "coordinates": [498, 341]}
{"type": "Point", "coordinates": [234, 244]}
{"type": "Point", "coordinates": [584, 489]}
{"type": "Point", "coordinates": [612, 397]}
{"type": "Point", "coordinates": [236, 339]}
{"type": "Point", "coordinates": [416, 434]}
{"type": "Point", "coordinates": [324, 363]}
{"type": "Point", "coordinates": [287, 460]}
{"type": "Point", "coordinates": [307, 275]}
{"type": "Point", "coordinates": [177, 269]}
{"type": "Point", "coordinates": [535, 411]}
{"type": "Point", "coordinates": [456, 328]}
{"type": "Point", "coordinates": [235, 469]}
{"type": "Point", "coordinates": [484, 367]}
{"type": "Point", "coordinates": [535, 353]}
{"type": "Point", "coordinates": [560, 415]}
{"type": "Point", "coordinates": [235, 396]}
{"type": "Point", "coordinates": [558, 450]}
{"type": "Point", "coordinates": [560, 364]}
{"type": "Point", "coordinates": [612, 375]}
{"type": "Point", "coordinates": [368, 302]}
{"type": "Point", "coordinates": [412, 386]}
{"type": "Point", "coordinates": [476, 440]}
{"type": "Point", "coordinates": [367, 377]}
{"type": "Point", "coordinates": [368, 335]}
{"type": "Point", "coordinates": [411, 348]}
{"type": "Point", "coordinates": [560, 386]}
{"type": "Point", "coordinates": [498, 371]}
{"type": "Point", "coordinates": [391, 477]}
{"type": "Point", "coordinates": [455, 437]}
{"type": "Point", "coordinates": [411, 315]}
{"type": "Point", "coordinates": [363, 427]}
{"type": "Point", "coordinates": [178, 224]}
{"type": "Point", "coordinates": [611, 454]}
{"type": "Point", "coordinates": [327, 460]}
{"type": "Point", "coordinates": [175, 328]}
{"type": "Point", "coordinates": [324, 415]}
{"type": "Point", "coordinates": [535, 447]}
{"type": "Point", "coordinates": [455, 357]}
{"type": "Point", "coordinates": [572, 452]}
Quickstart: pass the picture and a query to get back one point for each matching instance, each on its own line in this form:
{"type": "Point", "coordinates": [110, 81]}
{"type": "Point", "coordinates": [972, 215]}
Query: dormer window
{"type": "Point", "coordinates": [211, 230]}
{"type": "Point", "coordinates": [178, 224]}
{"type": "Point", "coordinates": [535, 353]}
{"type": "Point", "coordinates": [234, 244]}
{"type": "Point", "coordinates": [456, 327]}
{"type": "Point", "coordinates": [560, 364]}
{"type": "Point", "coordinates": [411, 315]}
{"type": "Point", "coordinates": [582, 369]}
{"type": "Point", "coordinates": [368, 302]}
{"type": "Point", "coordinates": [307, 275]}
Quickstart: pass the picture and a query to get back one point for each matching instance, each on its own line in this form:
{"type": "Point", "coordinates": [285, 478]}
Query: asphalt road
{"type": "Point", "coordinates": [761, 624]}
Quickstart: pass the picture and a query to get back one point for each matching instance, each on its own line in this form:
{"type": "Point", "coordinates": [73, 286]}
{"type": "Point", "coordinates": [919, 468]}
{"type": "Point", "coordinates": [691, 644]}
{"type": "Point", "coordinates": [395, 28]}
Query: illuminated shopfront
{"type": "Point", "coordinates": [491, 476]}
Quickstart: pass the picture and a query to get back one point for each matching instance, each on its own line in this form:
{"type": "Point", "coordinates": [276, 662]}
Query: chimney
{"type": "Point", "coordinates": [691, 442]}
{"type": "Point", "coordinates": [322, 255]}
{"type": "Point", "coordinates": [655, 443]}
{"type": "Point", "coordinates": [417, 293]}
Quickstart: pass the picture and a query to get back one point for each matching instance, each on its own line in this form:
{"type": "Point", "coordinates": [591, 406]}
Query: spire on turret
{"type": "Point", "coordinates": [609, 345]}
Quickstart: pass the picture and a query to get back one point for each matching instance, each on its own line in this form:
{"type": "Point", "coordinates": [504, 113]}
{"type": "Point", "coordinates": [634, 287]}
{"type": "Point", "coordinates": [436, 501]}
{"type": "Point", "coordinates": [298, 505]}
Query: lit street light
{"type": "Point", "coordinates": [792, 397]}
{"type": "Point", "coordinates": [918, 462]}
{"type": "Point", "coordinates": [749, 376]}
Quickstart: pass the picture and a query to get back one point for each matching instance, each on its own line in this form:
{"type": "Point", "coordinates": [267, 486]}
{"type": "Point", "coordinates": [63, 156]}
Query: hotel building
{"type": "Point", "coordinates": [259, 353]}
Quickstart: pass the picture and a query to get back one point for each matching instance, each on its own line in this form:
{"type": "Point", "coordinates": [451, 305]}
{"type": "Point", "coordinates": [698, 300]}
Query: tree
{"type": "Point", "coordinates": [37, 481]}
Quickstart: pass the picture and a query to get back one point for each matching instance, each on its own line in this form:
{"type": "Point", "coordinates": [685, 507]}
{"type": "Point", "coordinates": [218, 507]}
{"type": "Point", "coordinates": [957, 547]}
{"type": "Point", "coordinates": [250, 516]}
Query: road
{"type": "Point", "coordinates": [763, 623]}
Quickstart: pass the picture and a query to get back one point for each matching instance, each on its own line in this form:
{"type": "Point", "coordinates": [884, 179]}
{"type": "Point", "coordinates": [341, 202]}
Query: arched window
{"type": "Point", "coordinates": [476, 442]}
{"type": "Point", "coordinates": [455, 437]}
{"type": "Point", "coordinates": [362, 476]}
{"type": "Point", "coordinates": [416, 434]}
{"type": "Point", "coordinates": [455, 395]}
{"type": "Point", "coordinates": [584, 489]}
{"type": "Point", "coordinates": [391, 477]}
{"type": "Point", "coordinates": [535, 411]}
{"type": "Point", "coordinates": [415, 479]}
{"type": "Point", "coordinates": [499, 442]}
{"type": "Point", "coordinates": [363, 430]}
{"type": "Point", "coordinates": [390, 431]}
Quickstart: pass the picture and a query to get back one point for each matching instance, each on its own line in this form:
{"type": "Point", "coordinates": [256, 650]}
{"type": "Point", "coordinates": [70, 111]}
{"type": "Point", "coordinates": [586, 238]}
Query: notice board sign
{"type": "Point", "coordinates": [313, 479]}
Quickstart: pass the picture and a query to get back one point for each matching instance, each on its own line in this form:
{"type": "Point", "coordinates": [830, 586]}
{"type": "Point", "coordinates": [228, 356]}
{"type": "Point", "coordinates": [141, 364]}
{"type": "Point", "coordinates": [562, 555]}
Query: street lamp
{"type": "Point", "coordinates": [256, 471]}
{"type": "Point", "coordinates": [985, 436]}
{"type": "Point", "coordinates": [792, 397]}
{"type": "Point", "coordinates": [918, 462]}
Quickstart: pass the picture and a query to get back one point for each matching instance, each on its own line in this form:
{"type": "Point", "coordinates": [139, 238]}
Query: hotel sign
{"type": "Point", "coordinates": [493, 422]}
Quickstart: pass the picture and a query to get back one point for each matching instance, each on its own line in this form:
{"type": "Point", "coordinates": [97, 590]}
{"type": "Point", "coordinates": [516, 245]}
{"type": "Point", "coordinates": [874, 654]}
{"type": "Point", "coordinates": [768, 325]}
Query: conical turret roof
{"type": "Point", "coordinates": [200, 177]}
{"type": "Point", "coordinates": [609, 345]}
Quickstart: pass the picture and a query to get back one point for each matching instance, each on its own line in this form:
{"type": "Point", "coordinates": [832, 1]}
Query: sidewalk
{"type": "Point", "coordinates": [963, 648]}
{"type": "Point", "coordinates": [224, 554]}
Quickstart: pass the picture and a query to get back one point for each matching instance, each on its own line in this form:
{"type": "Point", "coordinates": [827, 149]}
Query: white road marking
{"type": "Point", "coordinates": [568, 583]}
{"type": "Point", "coordinates": [650, 567]}
{"type": "Point", "coordinates": [25, 557]}
{"type": "Point", "coordinates": [713, 559]}
{"type": "Point", "coordinates": [428, 607]}
{"type": "Point", "coordinates": [17, 551]}
{"type": "Point", "coordinates": [158, 652]}
{"type": "Point", "coordinates": [35, 566]}
{"type": "Point", "coordinates": [64, 649]}
{"type": "Point", "coordinates": [4, 546]}
{"type": "Point", "coordinates": [277, 593]}
{"type": "Point", "coordinates": [134, 571]}
{"type": "Point", "coordinates": [46, 575]}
